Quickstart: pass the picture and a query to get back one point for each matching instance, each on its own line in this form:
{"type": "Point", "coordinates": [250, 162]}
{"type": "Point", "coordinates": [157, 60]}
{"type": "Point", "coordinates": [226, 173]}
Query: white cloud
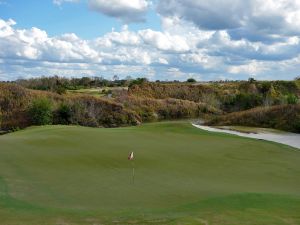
{"type": "Point", "coordinates": [256, 20]}
{"type": "Point", "coordinates": [211, 15]}
{"type": "Point", "coordinates": [179, 51]}
{"type": "Point", "coordinates": [125, 37]}
{"type": "Point", "coordinates": [165, 41]}
{"type": "Point", "coordinates": [128, 11]}
{"type": "Point", "coordinates": [252, 68]}
{"type": "Point", "coordinates": [6, 27]}
{"type": "Point", "coordinates": [163, 61]}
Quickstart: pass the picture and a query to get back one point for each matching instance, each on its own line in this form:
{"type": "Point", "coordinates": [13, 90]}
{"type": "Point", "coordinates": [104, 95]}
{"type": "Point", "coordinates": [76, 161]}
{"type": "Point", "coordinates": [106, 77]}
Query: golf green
{"type": "Point", "coordinates": [183, 175]}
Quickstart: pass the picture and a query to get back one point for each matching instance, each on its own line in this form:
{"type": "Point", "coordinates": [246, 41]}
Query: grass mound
{"type": "Point", "coordinates": [76, 175]}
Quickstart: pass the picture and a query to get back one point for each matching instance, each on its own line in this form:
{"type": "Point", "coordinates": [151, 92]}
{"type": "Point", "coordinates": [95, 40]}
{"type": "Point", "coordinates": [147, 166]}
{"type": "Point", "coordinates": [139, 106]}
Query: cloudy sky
{"type": "Point", "coordinates": [157, 39]}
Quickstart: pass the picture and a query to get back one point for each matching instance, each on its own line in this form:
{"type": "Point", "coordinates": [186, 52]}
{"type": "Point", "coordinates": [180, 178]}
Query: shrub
{"type": "Point", "coordinates": [40, 112]}
{"type": "Point", "coordinates": [292, 99]}
{"type": "Point", "coordinates": [296, 126]}
{"type": "Point", "coordinates": [21, 107]}
{"type": "Point", "coordinates": [150, 109]}
{"type": "Point", "coordinates": [64, 114]}
{"type": "Point", "coordinates": [285, 117]}
{"type": "Point", "coordinates": [242, 101]}
{"type": "Point", "coordinates": [61, 90]}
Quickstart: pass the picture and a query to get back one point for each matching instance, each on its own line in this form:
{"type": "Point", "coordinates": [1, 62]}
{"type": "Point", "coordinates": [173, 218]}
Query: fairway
{"type": "Point", "coordinates": [183, 175]}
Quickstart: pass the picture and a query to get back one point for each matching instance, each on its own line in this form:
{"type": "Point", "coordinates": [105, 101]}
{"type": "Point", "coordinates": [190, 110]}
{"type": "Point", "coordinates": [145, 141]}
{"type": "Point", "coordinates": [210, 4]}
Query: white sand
{"type": "Point", "coordinates": [286, 138]}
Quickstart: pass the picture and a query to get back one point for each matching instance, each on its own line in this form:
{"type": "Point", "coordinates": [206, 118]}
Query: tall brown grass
{"type": "Point", "coordinates": [284, 117]}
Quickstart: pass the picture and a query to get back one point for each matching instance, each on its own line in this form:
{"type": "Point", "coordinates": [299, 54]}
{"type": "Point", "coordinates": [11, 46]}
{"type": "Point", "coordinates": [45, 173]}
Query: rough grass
{"type": "Point", "coordinates": [245, 129]}
{"type": "Point", "coordinates": [96, 92]}
{"type": "Point", "coordinates": [284, 117]}
{"type": "Point", "coordinates": [75, 175]}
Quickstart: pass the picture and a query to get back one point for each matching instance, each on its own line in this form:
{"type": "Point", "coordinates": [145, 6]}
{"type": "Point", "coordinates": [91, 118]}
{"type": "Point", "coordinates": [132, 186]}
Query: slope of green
{"type": "Point", "coordinates": [76, 175]}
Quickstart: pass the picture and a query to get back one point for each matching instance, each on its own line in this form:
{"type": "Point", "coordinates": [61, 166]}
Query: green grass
{"type": "Point", "coordinates": [76, 175]}
{"type": "Point", "coordinates": [96, 92]}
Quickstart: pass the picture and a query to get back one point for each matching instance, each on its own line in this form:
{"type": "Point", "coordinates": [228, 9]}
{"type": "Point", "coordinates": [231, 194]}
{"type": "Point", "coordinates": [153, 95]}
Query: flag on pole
{"type": "Point", "coordinates": [130, 157]}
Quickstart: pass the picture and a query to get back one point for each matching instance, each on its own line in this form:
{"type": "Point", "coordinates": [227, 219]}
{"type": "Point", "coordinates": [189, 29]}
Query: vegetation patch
{"type": "Point", "coordinates": [284, 117]}
{"type": "Point", "coordinates": [97, 102]}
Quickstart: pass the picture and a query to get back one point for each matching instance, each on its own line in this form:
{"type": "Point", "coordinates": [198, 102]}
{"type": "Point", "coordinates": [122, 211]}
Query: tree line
{"type": "Point", "coordinates": [38, 101]}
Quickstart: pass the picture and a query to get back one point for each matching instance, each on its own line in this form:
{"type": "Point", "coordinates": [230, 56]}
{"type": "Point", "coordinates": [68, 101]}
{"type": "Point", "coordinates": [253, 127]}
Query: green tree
{"type": "Point", "coordinates": [271, 96]}
{"type": "Point", "coordinates": [40, 112]}
{"type": "Point", "coordinates": [191, 80]}
{"type": "Point", "coordinates": [251, 80]}
{"type": "Point", "coordinates": [138, 81]}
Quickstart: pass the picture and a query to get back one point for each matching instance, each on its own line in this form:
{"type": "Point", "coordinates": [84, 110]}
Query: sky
{"type": "Point", "coordinates": [156, 39]}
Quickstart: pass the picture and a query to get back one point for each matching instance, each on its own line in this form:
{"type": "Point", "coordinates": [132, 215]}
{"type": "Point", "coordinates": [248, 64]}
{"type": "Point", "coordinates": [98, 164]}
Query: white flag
{"type": "Point", "coordinates": [130, 157]}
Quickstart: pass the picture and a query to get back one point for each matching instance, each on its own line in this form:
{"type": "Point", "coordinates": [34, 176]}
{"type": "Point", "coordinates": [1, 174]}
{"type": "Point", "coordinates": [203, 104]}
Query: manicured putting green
{"type": "Point", "coordinates": [183, 175]}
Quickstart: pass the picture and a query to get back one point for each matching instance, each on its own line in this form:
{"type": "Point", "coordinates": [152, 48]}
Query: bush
{"type": "Point", "coordinates": [64, 114]}
{"type": "Point", "coordinates": [296, 126]}
{"type": "Point", "coordinates": [20, 107]}
{"type": "Point", "coordinates": [242, 101]}
{"type": "Point", "coordinates": [150, 109]}
{"type": "Point", "coordinates": [284, 117]}
{"type": "Point", "coordinates": [40, 112]}
{"type": "Point", "coordinates": [61, 90]}
{"type": "Point", "coordinates": [292, 99]}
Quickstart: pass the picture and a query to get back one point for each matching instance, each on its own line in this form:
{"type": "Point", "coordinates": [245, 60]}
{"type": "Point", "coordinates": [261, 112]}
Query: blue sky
{"type": "Point", "coordinates": [158, 39]}
{"type": "Point", "coordinates": [67, 18]}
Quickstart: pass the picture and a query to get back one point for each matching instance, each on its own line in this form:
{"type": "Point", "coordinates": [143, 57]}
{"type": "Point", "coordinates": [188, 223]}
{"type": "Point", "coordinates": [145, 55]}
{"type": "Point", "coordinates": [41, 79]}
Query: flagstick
{"type": "Point", "coordinates": [132, 171]}
{"type": "Point", "coordinates": [131, 158]}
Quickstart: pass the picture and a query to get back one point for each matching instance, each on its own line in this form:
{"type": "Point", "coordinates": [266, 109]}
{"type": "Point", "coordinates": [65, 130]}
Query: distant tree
{"type": "Point", "coordinates": [264, 87]}
{"type": "Point", "coordinates": [138, 81]}
{"type": "Point", "coordinates": [40, 112]}
{"type": "Point", "coordinates": [115, 78]}
{"type": "Point", "coordinates": [85, 81]}
{"type": "Point", "coordinates": [271, 96]}
{"type": "Point", "coordinates": [251, 80]}
{"type": "Point", "coordinates": [191, 80]}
